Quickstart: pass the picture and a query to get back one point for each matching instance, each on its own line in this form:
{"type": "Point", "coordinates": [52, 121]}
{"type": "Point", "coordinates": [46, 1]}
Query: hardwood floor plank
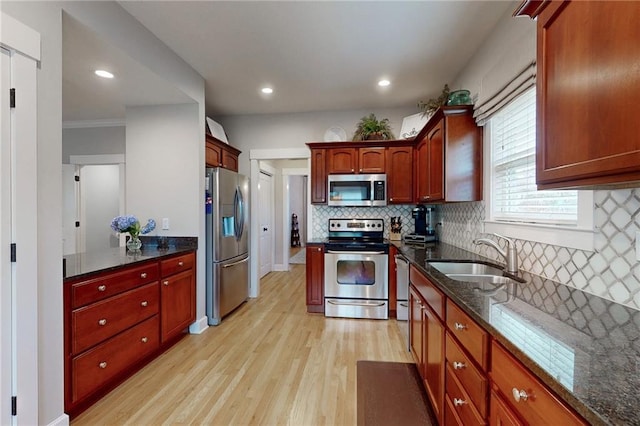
{"type": "Point", "coordinates": [268, 363]}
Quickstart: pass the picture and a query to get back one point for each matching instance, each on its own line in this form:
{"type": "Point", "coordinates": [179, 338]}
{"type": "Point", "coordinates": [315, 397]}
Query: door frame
{"type": "Point", "coordinates": [255, 155]}
{"type": "Point", "coordinates": [286, 173]}
{"type": "Point", "coordinates": [266, 169]}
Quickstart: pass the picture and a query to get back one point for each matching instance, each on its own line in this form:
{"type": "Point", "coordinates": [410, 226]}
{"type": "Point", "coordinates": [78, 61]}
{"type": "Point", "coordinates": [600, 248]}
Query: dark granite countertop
{"type": "Point", "coordinates": [585, 348]}
{"type": "Point", "coordinates": [82, 265]}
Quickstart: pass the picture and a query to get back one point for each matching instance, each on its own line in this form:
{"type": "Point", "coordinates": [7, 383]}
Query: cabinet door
{"type": "Point", "coordinates": [400, 175]}
{"type": "Point", "coordinates": [342, 160]}
{"type": "Point", "coordinates": [585, 131]}
{"type": "Point", "coordinates": [213, 155]}
{"type": "Point", "coordinates": [416, 321]}
{"type": "Point", "coordinates": [422, 171]}
{"type": "Point", "coordinates": [434, 361]}
{"type": "Point", "coordinates": [315, 278]}
{"type": "Point", "coordinates": [371, 160]}
{"type": "Point", "coordinates": [318, 176]}
{"type": "Point", "coordinates": [501, 414]}
{"type": "Point", "coordinates": [229, 160]}
{"type": "Point", "coordinates": [177, 301]}
{"type": "Point", "coordinates": [436, 163]}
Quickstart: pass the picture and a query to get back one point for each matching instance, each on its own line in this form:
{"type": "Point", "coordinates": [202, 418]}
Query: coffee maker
{"type": "Point", "coordinates": [423, 221]}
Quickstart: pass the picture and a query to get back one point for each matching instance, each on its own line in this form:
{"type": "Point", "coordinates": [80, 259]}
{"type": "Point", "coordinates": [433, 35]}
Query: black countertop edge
{"type": "Point", "coordinates": [456, 291]}
{"type": "Point", "coordinates": [84, 265]}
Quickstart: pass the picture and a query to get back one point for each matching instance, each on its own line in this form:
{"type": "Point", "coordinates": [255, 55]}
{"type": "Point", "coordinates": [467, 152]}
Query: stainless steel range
{"type": "Point", "coordinates": [356, 264]}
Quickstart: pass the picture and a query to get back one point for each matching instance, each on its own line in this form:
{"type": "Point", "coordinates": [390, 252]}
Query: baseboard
{"type": "Point", "coordinates": [63, 420]}
{"type": "Point", "coordinates": [279, 267]}
{"type": "Point", "coordinates": [199, 326]}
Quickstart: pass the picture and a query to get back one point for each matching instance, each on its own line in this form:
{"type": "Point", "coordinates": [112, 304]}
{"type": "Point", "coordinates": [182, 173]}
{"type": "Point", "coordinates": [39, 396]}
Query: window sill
{"type": "Point", "coordinates": [571, 237]}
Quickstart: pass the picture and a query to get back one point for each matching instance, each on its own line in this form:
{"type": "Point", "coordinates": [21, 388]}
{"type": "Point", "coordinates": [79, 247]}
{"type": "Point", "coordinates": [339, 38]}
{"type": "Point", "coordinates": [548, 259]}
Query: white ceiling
{"type": "Point", "coordinates": [317, 56]}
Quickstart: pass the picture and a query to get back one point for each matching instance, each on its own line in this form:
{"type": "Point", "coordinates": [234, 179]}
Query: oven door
{"type": "Point", "coordinates": [356, 275]}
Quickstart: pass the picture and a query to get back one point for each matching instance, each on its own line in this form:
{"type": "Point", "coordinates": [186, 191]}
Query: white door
{"type": "Point", "coordinates": [70, 213]}
{"type": "Point", "coordinates": [6, 347]}
{"type": "Point", "coordinates": [265, 214]}
{"type": "Point", "coordinates": [99, 204]}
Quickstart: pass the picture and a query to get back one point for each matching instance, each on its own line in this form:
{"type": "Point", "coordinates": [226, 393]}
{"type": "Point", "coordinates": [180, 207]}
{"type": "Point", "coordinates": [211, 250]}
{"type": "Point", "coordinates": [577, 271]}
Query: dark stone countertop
{"type": "Point", "coordinates": [585, 348]}
{"type": "Point", "coordinates": [82, 265]}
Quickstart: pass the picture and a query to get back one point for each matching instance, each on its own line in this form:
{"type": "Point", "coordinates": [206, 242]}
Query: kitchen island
{"type": "Point", "coordinates": [583, 348]}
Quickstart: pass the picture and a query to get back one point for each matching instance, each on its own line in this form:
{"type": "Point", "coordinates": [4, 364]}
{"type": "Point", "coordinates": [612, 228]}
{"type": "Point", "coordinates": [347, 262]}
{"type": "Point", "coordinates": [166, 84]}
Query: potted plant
{"type": "Point", "coordinates": [429, 108]}
{"type": "Point", "coordinates": [370, 128]}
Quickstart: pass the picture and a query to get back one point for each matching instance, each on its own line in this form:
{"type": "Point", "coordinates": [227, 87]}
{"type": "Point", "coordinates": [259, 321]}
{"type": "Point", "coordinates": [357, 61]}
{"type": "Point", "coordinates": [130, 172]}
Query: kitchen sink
{"type": "Point", "coordinates": [474, 272]}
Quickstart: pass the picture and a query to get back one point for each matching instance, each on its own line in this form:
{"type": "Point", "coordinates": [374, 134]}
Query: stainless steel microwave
{"type": "Point", "coordinates": [357, 190]}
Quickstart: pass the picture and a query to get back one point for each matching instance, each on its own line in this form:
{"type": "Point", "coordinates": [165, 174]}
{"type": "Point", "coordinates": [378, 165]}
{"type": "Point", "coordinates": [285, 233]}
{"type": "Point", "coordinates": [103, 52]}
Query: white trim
{"type": "Point", "coordinates": [299, 171]}
{"type": "Point", "coordinates": [199, 326]}
{"type": "Point", "coordinates": [17, 37]}
{"type": "Point", "coordinates": [279, 267]}
{"type": "Point", "coordinates": [279, 154]}
{"type": "Point", "coordinates": [63, 420]}
{"type": "Point", "coordinates": [87, 124]}
{"type": "Point", "coordinates": [97, 159]}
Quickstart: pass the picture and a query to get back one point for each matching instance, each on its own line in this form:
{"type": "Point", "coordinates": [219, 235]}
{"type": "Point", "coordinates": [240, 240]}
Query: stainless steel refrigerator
{"type": "Point", "coordinates": [227, 226]}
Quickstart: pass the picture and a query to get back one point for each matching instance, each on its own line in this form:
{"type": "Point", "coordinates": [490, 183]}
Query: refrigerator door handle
{"type": "Point", "coordinates": [240, 213]}
{"type": "Point", "coordinates": [236, 219]}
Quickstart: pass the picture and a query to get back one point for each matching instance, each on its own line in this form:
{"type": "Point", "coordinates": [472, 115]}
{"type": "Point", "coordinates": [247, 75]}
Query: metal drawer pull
{"type": "Point", "coordinates": [144, 340]}
{"type": "Point", "coordinates": [458, 402]}
{"type": "Point", "coordinates": [459, 326]}
{"type": "Point", "coordinates": [229, 265]}
{"type": "Point", "coordinates": [181, 263]}
{"type": "Point", "coordinates": [459, 365]}
{"type": "Point", "coordinates": [143, 275]}
{"type": "Point", "coordinates": [519, 395]}
{"type": "Point", "coordinates": [144, 303]}
{"type": "Point", "coordinates": [102, 365]}
{"type": "Point", "coordinates": [103, 321]}
{"type": "Point", "coordinates": [102, 287]}
{"type": "Point", "coordinates": [165, 282]}
{"type": "Point", "coordinates": [365, 304]}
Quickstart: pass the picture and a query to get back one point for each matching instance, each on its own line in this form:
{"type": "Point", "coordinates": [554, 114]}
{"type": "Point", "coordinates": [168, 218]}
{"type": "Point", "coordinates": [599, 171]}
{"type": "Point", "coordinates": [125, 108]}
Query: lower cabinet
{"type": "Point", "coordinates": [115, 322]}
{"type": "Point", "coordinates": [315, 278]}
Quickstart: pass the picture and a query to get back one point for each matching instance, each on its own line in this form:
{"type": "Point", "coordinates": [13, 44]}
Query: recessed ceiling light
{"type": "Point", "coordinates": [384, 83]}
{"type": "Point", "coordinates": [104, 74]}
{"type": "Point", "coordinates": [267, 90]}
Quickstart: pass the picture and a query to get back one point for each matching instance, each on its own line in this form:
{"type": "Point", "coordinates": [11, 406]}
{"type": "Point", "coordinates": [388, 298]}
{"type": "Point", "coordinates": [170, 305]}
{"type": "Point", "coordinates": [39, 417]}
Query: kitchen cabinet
{"type": "Point", "coordinates": [393, 282]}
{"type": "Point", "coordinates": [448, 157]}
{"type": "Point", "coordinates": [588, 82]}
{"type": "Point", "coordinates": [220, 154]}
{"type": "Point", "coordinates": [371, 160]}
{"type": "Point", "coordinates": [177, 295]}
{"type": "Point", "coordinates": [315, 277]}
{"type": "Point", "coordinates": [399, 165]}
{"type": "Point", "coordinates": [355, 160]}
{"type": "Point", "coordinates": [518, 394]}
{"type": "Point", "coordinates": [318, 176]}
{"type": "Point", "coordinates": [116, 321]}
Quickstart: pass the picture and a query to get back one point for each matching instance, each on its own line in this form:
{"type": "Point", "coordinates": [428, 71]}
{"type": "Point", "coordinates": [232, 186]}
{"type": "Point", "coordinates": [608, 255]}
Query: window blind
{"type": "Point", "coordinates": [514, 193]}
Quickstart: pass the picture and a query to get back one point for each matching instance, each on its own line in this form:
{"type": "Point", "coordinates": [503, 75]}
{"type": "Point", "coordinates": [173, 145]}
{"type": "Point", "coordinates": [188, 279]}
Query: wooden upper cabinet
{"type": "Point", "coordinates": [220, 154]}
{"type": "Point", "coordinates": [342, 160]}
{"type": "Point", "coordinates": [448, 157]}
{"type": "Point", "coordinates": [588, 83]}
{"type": "Point", "coordinates": [371, 160]}
{"type": "Point", "coordinates": [318, 176]}
{"type": "Point", "coordinates": [399, 166]}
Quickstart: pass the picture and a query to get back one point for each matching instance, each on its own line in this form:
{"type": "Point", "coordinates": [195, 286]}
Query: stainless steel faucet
{"type": "Point", "coordinates": [510, 256]}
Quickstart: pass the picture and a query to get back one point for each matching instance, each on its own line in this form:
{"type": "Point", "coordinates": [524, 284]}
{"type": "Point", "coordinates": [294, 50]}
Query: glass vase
{"type": "Point", "coordinates": [134, 243]}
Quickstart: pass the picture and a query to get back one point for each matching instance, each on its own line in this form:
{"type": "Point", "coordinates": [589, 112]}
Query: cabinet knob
{"type": "Point", "coordinates": [165, 282]}
{"type": "Point", "coordinates": [459, 365]}
{"type": "Point", "coordinates": [459, 326]}
{"type": "Point", "coordinates": [353, 170]}
{"type": "Point", "coordinates": [181, 263]}
{"type": "Point", "coordinates": [144, 340]}
{"type": "Point", "coordinates": [103, 364]}
{"type": "Point", "coordinates": [458, 402]}
{"type": "Point", "coordinates": [360, 170]}
{"type": "Point", "coordinates": [391, 199]}
{"type": "Point", "coordinates": [143, 275]}
{"type": "Point", "coordinates": [144, 303]}
{"type": "Point", "coordinates": [519, 395]}
{"type": "Point", "coordinates": [102, 287]}
{"type": "Point", "coordinates": [103, 321]}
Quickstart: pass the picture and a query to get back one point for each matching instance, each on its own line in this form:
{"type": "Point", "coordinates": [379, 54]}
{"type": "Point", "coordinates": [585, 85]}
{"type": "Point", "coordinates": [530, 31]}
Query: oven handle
{"type": "Point", "coordinates": [369, 304]}
{"type": "Point", "coordinates": [355, 252]}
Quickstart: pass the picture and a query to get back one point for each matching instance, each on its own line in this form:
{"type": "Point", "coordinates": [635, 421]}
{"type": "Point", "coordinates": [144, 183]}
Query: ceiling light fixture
{"type": "Point", "coordinates": [384, 83]}
{"type": "Point", "coordinates": [267, 90]}
{"type": "Point", "coordinates": [104, 74]}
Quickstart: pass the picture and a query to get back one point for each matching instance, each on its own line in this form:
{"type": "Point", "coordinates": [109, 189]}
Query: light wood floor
{"type": "Point", "coordinates": [269, 363]}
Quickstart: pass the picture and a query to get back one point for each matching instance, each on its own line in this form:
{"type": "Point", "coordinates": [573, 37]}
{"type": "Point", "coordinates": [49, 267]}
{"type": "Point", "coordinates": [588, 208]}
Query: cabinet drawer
{"type": "Point", "coordinates": [460, 402]}
{"type": "Point", "coordinates": [108, 285]}
{"type": "Point", "coordinates": [473, 380]}
{"type": "Point", "coordinates": [429, 292]}
{"type": "Point", "coordinates": [177, 264]}
{"type": "Point", "coordinates": [95, 367]}
{"type": "Point", "coordinates": [540, 405]}
{"type": "Point", "coordinates": [94, 323]}
{"type": "Point", "coordinates": [471, 336]}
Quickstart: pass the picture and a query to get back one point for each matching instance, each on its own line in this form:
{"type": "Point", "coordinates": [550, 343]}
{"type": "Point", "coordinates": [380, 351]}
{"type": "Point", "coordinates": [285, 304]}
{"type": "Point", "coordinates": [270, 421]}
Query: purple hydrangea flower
{"type": "Point", "coordinates": [150, 226]}
{"type": "Point", "coordinates": [129, 223]}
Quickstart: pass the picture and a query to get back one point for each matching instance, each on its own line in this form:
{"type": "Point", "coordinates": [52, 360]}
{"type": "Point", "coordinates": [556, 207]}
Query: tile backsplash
{"type": "Point", "coordinates": [611, 271]}
{"type": "Point", "coordinates": [322, 214]}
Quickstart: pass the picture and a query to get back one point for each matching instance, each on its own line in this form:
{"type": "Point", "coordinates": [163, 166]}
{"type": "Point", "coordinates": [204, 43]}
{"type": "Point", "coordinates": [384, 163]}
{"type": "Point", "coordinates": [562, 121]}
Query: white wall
{"type": "Point", "coordinates": [92, 141]}
{"type": "Point", "coordinates": [124, 32]}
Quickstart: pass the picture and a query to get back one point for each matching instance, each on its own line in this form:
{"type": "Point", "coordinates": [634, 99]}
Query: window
{"type": "Point", "coordinates": [516, 207]}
